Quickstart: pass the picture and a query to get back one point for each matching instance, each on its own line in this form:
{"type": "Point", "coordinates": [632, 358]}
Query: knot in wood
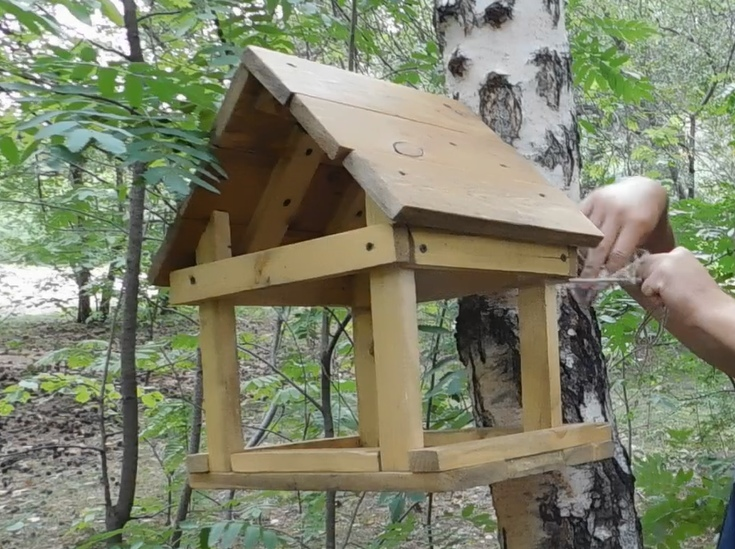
{"type": "Point", "coordinates": [406, 149]}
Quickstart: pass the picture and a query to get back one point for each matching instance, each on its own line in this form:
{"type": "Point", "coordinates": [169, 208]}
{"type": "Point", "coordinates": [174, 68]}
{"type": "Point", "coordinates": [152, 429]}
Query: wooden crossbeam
{"type": "Point", "coordinates": [361, 249]}
{"type": "Point", "coordinates": [469, 454]}
{"type": "Point", "coordinates": [284, 193]}
{"type": "Point", "coordinates": [438, 249]}
{"type": "Point", "coordinates": [332, 292]}
{"type": "Point", "coordinates": [330, 256]}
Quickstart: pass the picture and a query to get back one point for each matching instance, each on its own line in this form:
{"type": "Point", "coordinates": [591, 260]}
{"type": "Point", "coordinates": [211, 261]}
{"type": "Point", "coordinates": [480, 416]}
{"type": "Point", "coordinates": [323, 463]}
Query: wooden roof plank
{"type": "Point", "coordinates": [417, 193]}
{"type": "Point", "coordinates": [285, 75]}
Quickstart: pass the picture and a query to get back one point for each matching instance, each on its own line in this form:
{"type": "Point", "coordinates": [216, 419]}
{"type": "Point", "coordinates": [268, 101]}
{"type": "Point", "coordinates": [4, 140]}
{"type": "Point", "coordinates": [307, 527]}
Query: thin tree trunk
{"type": "Point", "coordinates": [330, 517]}
{"type": "Point", "coordinates": [691, 147]}
{"type": "Point", "coordinates": [118, 517]}
{"type": "Point", "coordinates": [109, 287]}
{"type": "Point", "coordinates": [510, 63]}
{"type": "Point", "coordinates": [84, 305]}
{"type": "Point", "coordinates": [195, 440]}
{"type": "Point", "coordinates": [82, 274]}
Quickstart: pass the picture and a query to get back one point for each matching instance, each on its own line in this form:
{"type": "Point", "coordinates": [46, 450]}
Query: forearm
{"type": "Point", "coordinates": [710, 334]}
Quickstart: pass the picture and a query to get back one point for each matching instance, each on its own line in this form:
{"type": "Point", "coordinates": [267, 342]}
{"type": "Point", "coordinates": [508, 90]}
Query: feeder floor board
{"type": "Point", "coordinates": [447, 481]}
{"type": "Point", "coordinates": [450, 460]}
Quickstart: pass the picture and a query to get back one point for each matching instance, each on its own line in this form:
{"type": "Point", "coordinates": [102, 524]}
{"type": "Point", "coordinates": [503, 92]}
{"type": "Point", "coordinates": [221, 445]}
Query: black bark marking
{"type": "Point", "coordinates": [562, 150]}
{"type": "Point", "coordinates": [457, 65]}
{"type": "Point", "coordinates": [498, 13]}
{"type": "Point", "coordinates": [553, 75]}
{"type": "Point", "coordinates": [574, 146]}
{"type": "Point", "coordinates": [480, 323]}
{"type": "Point", "coordinates": [447, 11]}
{"type": "Point", "coordinates": [500, 106]}
{"type": "Point", "coordinates": [554, 9]}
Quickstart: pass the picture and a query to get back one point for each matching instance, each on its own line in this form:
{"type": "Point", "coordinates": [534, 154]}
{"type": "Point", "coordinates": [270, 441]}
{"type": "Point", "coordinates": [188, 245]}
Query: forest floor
{"type": "Point", "coordinates": [50, 491]}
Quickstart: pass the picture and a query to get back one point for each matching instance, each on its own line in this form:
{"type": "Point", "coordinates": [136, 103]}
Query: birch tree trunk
{"type": "Point", "coordinates": [509, 61]}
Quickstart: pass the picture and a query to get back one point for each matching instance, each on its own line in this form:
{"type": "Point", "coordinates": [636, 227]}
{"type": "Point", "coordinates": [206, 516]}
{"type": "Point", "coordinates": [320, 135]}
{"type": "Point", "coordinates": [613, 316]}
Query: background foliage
{"type": "Point", "coordinates": [653, 82]}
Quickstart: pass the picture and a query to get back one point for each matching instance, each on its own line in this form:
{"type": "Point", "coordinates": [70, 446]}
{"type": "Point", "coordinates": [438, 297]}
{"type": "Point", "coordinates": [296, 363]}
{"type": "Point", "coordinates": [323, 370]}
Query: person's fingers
{"type": "Point", "coordinates": [622, 251]}
{"type": "Point", "coordinates": [596, 215]}
{"type": "Point", "coordinates": [597, 257]}
{"type": "Point", "coordinates": [651, 287]}
{"type": "Point", "coordinates": [646, 265]}
{"type": "Point", "coordinates": [587, 205]}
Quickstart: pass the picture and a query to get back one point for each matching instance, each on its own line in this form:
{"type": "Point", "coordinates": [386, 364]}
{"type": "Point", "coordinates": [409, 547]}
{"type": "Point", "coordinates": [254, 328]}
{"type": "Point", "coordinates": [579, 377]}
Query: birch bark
{"type": "Point", "coordinates": [509, 61]}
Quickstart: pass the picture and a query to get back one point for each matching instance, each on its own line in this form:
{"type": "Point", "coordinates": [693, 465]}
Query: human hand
{"type": "Point", "coordinates": [679, 282]}
{"type": "Point", "coordinates": [627, 213]}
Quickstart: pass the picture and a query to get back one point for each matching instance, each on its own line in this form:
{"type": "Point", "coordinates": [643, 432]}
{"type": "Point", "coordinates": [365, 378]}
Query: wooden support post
{"type": "Point", "coordinates": [396, 353]}
{"type": "Point", "coordinates": [539, 349]}
{"type": "Point", "coordinates": [367, 390]}
{"type": "Point", "coordinates": [397, 366]}
{"type": "Point", "coordinates": [218, 344]}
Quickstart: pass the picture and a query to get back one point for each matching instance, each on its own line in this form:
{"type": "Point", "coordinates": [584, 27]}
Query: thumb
{"type": "Point", "coordinates": [651, 287]}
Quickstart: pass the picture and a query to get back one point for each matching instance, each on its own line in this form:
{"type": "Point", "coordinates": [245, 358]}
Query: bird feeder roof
{"type": "Point", "coordinates": [424, 159]}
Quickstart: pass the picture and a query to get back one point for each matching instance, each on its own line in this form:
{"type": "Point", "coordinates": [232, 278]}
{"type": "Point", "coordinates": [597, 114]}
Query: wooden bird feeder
{"type": "Point", "coordinates": [343, 190]}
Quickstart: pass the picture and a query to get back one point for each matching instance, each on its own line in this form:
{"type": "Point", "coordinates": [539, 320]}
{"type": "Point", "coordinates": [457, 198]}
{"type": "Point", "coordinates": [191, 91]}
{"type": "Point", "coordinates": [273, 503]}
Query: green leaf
{"type": "Point", "coordinates": [216, 533]}
{"type": "Point", "coordinates": [78, 10]}
{"type": "Point", "coordinates": [82, 395]}
{"type": "Point", "coordinates": [433, 329]}
{"type": "Point", "coordinates": [252, 536]}
{"type": "Point", "coordinates": [109, 143]}
{"type": "Point", "coordinates": [59, 128]}
{"type": "Point", "coordinates": [82, 71]}
{"type": "Point", "coordinates": [39, 120]}
{"type": "Point", "coordinates": [133, 90]}
{"type": "Point", "coordinates": [9, 149]}
{"type": "Point", "coordinates": [33, 22]}
{"type": "Point", "coordinates": [106, 81]}
{"type": "Point", "coordinates": [270, 540]}
{"type": "Point", "coordinates": [204, 538]}
{"type": "Point", "coordinates": [175, 183]}
{"type": "Point", "coordinates": [110, 11]}
{"type": "Point", "coordinates": [87, 54]}
{"type": "Point", "coordinates": [15, 527]}
{"type": "Point", "coordinates": [230, 535]}
{"type": "Point", "coordinates": [77, 140]}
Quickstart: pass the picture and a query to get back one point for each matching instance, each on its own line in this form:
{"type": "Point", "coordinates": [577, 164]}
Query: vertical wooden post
{"type": "Point", "coordinates": [367, 390]}
{"type": "Point", "coordinates": [539, 348]}
{"type": "Point", "coordinates": [397, 359]}
{"type": "Point", "coordinates": [218, 344]}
